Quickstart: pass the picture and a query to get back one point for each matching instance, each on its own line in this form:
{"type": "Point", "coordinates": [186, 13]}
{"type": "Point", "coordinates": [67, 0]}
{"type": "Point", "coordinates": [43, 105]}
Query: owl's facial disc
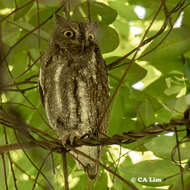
{"type": "Point", "coordinates": [84, 44]}
{"type": "Point", "coordinates": [75, 35]}
{"type": "Point", "coordinates": [87, 41]}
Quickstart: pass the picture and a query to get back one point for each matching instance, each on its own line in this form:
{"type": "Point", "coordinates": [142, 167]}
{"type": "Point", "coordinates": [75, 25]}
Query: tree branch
{"type": "Point", "coordinates": [124, 138]}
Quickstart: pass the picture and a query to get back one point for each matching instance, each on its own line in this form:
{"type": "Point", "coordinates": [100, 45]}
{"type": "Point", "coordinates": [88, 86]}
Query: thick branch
{"type": "Point", "coordinates": [9, 147]}
{"type": "Point", "coordinates": [124, 138]}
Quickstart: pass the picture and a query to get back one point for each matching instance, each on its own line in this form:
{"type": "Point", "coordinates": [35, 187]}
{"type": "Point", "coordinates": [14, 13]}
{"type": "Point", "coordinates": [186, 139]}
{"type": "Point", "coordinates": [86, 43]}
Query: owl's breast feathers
{"type": "Point", "coordinates": [75, 95]}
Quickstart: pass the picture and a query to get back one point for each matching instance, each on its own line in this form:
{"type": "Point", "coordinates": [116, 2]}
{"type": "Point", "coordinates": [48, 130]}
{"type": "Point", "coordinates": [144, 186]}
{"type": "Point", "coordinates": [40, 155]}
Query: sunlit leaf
{"type": "Point", "coordinates": [171, 49]}
{"type": "Point", "coordinates": [135, 73]}
{"type": "Point", "coordinates": [98, 12]}
{"type": "Point", "coordinates": [108, 34]}
{"type": "Point", "coordinates": [124, 9]}
{"type": "Point", "coordinates": [146, 171]}
{"type": "Point", "coordinates": [155, 91]}
{"type": "Point", "coordinates": [146, 113]}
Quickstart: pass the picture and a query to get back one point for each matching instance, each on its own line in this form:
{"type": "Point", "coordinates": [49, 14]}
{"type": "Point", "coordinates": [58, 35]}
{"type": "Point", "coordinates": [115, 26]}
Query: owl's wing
{"type": "Point", "coordinates": [46, 60]}
{"type": "Point", "coordinates": [102, 93]}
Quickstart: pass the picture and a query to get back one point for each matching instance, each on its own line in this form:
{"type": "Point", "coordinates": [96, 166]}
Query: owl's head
{"type": "Point", "coordinates": [72, 35]}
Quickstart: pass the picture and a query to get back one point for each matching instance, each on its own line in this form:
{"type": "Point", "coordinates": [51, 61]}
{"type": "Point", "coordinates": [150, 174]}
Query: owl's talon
{"type": "Point", "coordinates": [64, 140]}
{"type": "Point", "coordinates": [69, 139]}
{"type": "Point", "coordinates": [72, 138]}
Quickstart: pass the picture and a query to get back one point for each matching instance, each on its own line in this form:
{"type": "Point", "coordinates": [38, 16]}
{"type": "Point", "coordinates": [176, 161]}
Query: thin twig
{"type": "Point", "coordinates": [65, 170]}
{"type": "Point", "coordinates": [27, 34]}
{"type": "Point", "coordinates": [15, 4]}
{"type": "Point", "coordinates": [117, 164]}
{"type": "Point", "coordinates": [5, 171]}
{"type": "Point", "coordinates": [67, 8]}
{"type": "Point", "coordinates": [29, 176]}
{"type": "Point", "coordinates": [26, 30]}
{"type": "Point", "coordinates": [19, 90]}
{"type": "Point", "coordinates": [128, 67]}
{"type": "Point", "coordinates": [34, 165]}
{"type": "Point", "coordinates": [12, 122]}
{"type": "Point", "coordinates": [25, 97]}
{"type": "Point", "coordinates": [15, 103]}
{"type": "Point", "coordinates": [18, 146]}
{"type": "Point", "coordinates": [29, 68]}
{"type": "Point", "coordinates": [10, 160]}
{"type": "Point", "coordinates": [179, 158]}
{"type": "Point", "coordinates": [116, 62]}
{"type": "Point", "coordinates": [15, 84]}
{"type": "Point", "coordinates": [105, 167]}
{"type": "Point", "coordinates": [17, 9]}
{"type": "Point", "coordinates": [40, 170]}
{"type": "Point", "coordinates": [124, 138]}
{"type": "Point", "coordinates": [167, 20]}
{"type": "Point", "coordinates": [53, 163]}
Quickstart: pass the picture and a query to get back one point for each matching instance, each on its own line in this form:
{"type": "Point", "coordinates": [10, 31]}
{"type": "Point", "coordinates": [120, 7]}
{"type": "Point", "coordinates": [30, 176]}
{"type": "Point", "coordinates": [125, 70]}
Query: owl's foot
{"type": "Point", "coordinates": [69, 138]}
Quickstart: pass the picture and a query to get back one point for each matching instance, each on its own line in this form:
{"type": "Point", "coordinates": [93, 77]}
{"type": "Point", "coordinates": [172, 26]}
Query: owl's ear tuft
{"type": "Point", "coordinates": [95, 26]}
{"type": "Point", "coordinates": [59, 19]}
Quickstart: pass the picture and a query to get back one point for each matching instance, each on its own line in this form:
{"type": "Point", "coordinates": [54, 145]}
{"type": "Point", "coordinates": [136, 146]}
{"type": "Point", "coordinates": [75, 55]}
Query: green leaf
{"type": "Point", "coordinates": [105, 16]}
{"type": "Point", "coordinates": [135, 74]}
{"type": "Point", "coordinates": [145, 172]}
{"type": "Point", "coordinates": [147, 4]}
{"type": "Point", "coordinates": [186, 17]}
{"type": "Point", "coordinates": [118, 122]}
{"type": "Point", "coordinates": [187, 69]}
{"type": "Point", "coordinates": [44, 13]}
{"type": "Point", "coordinates": [123, 110]}
{"type": "Point", "coordinates": [124, 9]}
{"type": "Point", "coordinates": [2, 170]}
{"type": "Point", "coordinates": [184, 151]}
{"type": "Point", "coordinates": [30, 42]}
{"type": "Point", "coordinates": [158, 146]}
{"type": "Point", "coordinates": [99, 12]}
{"type": "Point", "coordinates": [157, 88]}
{"type": "Point", "coordinates": [50, 2]}
{"type": "Point", "coordinates": [146, 113]}
{"type": "Point", "coordinates": [178, 105]}
{"type": "Point", "coordinates": [152, 4]}
{"type": "Point", "coordinates": [10, 33]}
{"type": "Point", "coordinates": [123, 28]}
{"type": "Point", "coordinates": [8, 3]}
{"type": "Point", "coordinates": [163, 115]}
{"type": "Point", "coordinates": [171, 49]}
{"type": "Point", "coordinates": [20, 13]}
{"type": "Point", "coordinates": [108, 34]}
{"type": "Point", "coordinates": [1, 6]}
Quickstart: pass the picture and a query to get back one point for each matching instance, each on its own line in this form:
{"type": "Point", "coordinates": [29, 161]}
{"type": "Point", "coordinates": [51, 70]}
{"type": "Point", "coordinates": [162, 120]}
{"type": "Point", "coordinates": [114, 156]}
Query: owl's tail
{"type": "Point", "coordinates": [89, 166]}
{"type": "Point", "coordinates": [92, 171]}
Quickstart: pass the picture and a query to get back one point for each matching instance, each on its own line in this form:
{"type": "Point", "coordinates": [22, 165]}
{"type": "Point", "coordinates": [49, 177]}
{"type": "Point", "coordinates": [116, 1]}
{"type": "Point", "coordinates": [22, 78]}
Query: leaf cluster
{"type": "Point", "coordinates": [146, 46]}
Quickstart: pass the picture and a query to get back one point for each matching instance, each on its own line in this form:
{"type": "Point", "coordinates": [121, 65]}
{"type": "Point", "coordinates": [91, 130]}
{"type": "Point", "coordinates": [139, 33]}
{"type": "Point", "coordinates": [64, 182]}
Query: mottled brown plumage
{"type": "Point", "coordinates": [74, 86]}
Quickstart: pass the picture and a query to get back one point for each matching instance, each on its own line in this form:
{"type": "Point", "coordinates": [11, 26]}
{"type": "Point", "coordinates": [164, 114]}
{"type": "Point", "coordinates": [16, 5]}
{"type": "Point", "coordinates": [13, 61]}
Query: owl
{"type": "Point", "coordinates": [73, 86]}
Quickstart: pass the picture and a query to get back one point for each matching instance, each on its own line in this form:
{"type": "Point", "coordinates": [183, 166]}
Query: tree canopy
{"type": "Point", "coordinates": [146, 46]}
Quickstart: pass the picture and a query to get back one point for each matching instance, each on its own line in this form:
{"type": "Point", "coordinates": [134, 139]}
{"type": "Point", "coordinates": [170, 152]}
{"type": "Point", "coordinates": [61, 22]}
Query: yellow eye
{"type": "Point", "coordinates": [91, 37]}
{"type": "Point", "coordinates": [68, 34]}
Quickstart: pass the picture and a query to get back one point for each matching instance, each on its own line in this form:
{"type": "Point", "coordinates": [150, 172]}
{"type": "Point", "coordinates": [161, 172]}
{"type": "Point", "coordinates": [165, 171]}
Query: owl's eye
{"type": "Point", "coordinates": [91, 37]}
{"type": "Point", "coordinates": [68, 34]}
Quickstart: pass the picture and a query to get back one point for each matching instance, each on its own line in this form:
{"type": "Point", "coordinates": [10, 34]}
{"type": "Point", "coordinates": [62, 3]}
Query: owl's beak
{"type": "Point", "coordinates": [84, 44]}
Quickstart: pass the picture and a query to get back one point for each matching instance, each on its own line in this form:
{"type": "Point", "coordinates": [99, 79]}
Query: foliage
{"type": "Point", "coordinates": [155, 89]}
